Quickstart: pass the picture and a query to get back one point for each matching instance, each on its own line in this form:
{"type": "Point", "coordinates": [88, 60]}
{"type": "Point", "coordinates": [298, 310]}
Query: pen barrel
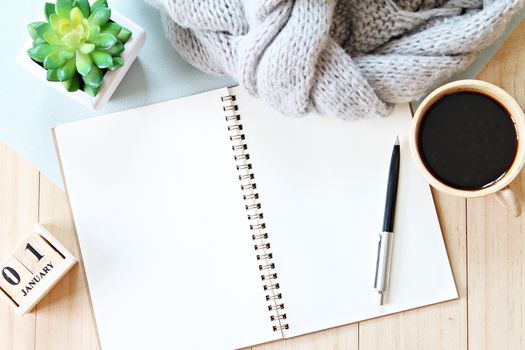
{"type": "Point", "coordinates": [391, 192]}
{"type": "Point", "coordinates": [384, 253]}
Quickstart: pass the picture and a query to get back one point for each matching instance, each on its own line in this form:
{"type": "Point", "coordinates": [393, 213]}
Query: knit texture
{"type": "Point", "coordinates": [348, 58]}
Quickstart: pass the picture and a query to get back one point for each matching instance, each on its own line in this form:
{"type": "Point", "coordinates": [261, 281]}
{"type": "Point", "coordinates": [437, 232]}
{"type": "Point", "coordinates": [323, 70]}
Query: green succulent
{"type": "Point", "coordinates": [78, 43]}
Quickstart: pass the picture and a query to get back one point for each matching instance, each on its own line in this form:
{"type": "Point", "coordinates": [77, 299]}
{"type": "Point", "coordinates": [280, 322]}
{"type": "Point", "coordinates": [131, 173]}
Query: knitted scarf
{"type": "Point", "coordinates": [348, 58]}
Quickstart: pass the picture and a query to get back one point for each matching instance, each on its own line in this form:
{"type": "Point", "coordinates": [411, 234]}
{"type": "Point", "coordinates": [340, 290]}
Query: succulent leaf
{"type": "Point", "coordinates": [100, 16]}
{"type": "Point", "coordinates": [41, 28]}
{"type": "Point", "coordinates": [94, 78]}
{"type": "Point", "coordinates": [111, 28]}
{"type": "Point", "coordinates": [87, 48]}
{"type": "Point", "coordinates": [52, 74]}
{"type": "Point", "coordinates": [124, 35]}
{"type": "Point", "coordinates": [104, 41]}
{"type": "Point", "coordinates": [67, 71]}
{"type": "Point", "coordinates": [63, 7]}
{"type": "Point", "coordinates": [59, 24]}
{"type": "Point", "coordinates": [83, 5]}
{"type": "Point", "coordinates": [49, 9]}
{"type": "Point", "coordinates": [117, 63]}
{"type": "Point", "coordinates": [53, 60]}
{"type": "Point", "coordinates": [66, 54]}
{"type": "Point", "coordinates": [91, 91]}
{"type": "Point", "coordinates": [83, 63]}
{"type": "Point", "coordinates": [39, 41]}
{"type": "Point", "coordinates": [39, 53]}
{"type": "Point", "coordinates": [72, 84]}
{"type": "Point", "coordinates": [102, 59]}
{"type": "Point", "coordinates": [116, 50]}
{"type": "Point", "coordinates": [31, 28]}
{"type": "Point", "coordinates": [52, 38]}
{"type": "Point", "coordinates": [72, 39]}
{"type": "Point", "coordinates": [93, 32]}
{"type": "Point", "coordinates": [99, 3]}
{"type": "Point", "coordinates": [77, 17]}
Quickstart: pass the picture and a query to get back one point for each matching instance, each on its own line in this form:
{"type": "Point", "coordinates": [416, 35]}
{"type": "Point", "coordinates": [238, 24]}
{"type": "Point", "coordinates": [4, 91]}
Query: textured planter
{"type": "Point", "coordinates": [111, 78]}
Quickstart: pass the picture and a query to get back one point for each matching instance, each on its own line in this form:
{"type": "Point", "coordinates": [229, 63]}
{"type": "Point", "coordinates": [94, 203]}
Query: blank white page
{"type": "Point", "coordinates": [162, 228]}
{"type": "Point", "coordinates": [322, 184]}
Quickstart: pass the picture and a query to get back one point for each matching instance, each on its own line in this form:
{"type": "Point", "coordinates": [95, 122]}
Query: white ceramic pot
{"type": "Point", "coordinates": [111, 79]}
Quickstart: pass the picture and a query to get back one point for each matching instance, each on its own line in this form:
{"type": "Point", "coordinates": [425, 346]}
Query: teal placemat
{"type": "Point", "coordinates": [30, 108]}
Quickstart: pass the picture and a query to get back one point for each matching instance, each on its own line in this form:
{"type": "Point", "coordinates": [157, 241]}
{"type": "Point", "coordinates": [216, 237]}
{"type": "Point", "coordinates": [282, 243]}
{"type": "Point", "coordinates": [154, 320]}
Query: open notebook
{"type": "Point", "coordinates": [206, 233]}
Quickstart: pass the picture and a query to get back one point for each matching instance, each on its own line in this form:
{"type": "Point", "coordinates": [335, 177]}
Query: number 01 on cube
{"type": "Point", "coordinates": [33, 269]}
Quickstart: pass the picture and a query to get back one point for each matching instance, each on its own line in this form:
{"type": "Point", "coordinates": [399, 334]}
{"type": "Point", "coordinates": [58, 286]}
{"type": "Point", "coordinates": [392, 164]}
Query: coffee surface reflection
{"type": "Point", "coordinates": [467, 140]}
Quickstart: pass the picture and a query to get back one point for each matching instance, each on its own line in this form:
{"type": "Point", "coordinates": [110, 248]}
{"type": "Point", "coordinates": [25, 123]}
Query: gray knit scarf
{"type": "Point", "coordinates": [348, 58]}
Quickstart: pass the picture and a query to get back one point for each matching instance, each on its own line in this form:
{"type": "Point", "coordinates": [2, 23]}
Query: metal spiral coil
{"type": "Point", "coordinates": [267, 266]}
{"type": "Point", "coordinates": [250, 186]}
{"type": "Point", "coordinates": [255, 216]}
{"type": "Point", "coordinates": [246, 177]}
{"type": "Point", "coordinates": [252, 206]}
{"type": "Point", "coordinates": [276, 307]}
{"type": "Point", "coordinates": [264, 256]}
{"type": "Point", "coordinates": [274, 297]}
{"type": "Point", "coordinates": [261, 226]}
{"type": "Point", "coordinates": [280, 327]}
{"type": "Point", "coordinates": [241, 156]}
{"type": "Point", "coordinates": [262, 246]}
{"type": "Point", "coordinates": [254, 213]}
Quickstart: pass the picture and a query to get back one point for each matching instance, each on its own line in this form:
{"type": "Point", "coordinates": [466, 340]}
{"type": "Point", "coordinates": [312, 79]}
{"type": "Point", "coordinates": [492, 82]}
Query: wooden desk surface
{"type": "Point", "coordinates": [485, 245]}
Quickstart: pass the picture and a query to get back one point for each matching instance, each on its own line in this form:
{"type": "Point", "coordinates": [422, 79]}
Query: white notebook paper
{"type": "Point", "coordinates": [169, 236]}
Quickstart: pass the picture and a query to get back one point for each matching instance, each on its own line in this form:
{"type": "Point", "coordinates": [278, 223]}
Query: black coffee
{"type": "Point", "coordinates": [467, 140]}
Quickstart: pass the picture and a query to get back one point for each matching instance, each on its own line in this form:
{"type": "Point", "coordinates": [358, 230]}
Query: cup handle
{"type": "Point", "coordinates": [508, 200]}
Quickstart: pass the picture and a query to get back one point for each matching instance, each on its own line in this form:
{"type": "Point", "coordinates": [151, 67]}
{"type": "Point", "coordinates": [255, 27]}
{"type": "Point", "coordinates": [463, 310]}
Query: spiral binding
{"type": "Point", "coordinates": [254, 213]}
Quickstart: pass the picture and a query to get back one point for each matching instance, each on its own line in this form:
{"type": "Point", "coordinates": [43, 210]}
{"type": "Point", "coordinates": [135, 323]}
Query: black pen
{"type": "Point", "coordinates": [384, 248]}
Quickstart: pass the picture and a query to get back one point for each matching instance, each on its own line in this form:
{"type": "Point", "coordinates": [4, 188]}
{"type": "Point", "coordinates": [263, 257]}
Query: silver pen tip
{"type": "Point", "coordinates": [397, 140]}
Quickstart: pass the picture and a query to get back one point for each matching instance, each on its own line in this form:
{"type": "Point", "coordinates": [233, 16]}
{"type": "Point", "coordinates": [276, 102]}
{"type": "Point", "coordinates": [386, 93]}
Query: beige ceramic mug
{"type": "Point", "coordinates": [500, 187]}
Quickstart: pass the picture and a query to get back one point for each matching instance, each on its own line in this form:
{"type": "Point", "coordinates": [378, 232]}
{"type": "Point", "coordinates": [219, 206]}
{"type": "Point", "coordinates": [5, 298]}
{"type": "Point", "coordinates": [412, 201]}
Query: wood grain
{"type": "Point", "coordinates": [486, 248]}
{"type": "Point", "coordinates": [68, 304]}
{"type": "Point", "coordinates": [496, 240]}
{"type": "Point", "coordinates": [345, 337]}
{"type": "Point", "coordinates": [19, 185]}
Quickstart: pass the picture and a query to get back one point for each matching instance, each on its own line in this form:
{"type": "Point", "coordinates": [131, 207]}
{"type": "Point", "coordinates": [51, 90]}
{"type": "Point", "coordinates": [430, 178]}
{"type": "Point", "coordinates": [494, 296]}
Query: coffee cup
{"type": "Point", "coordinates": [467, 140]}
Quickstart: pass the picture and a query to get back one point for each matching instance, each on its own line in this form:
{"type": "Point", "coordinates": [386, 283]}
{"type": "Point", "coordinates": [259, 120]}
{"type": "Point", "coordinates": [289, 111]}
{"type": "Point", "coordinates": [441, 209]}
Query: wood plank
{"type": "Point", "coordinates": [440, 326]}
{"type": "Point", "coordinates": [345, 337]}
{"type": "Point", "coordinates": [18, 214]}
{"type": "Point", "coordinates": [65, 318]}
{"type": "Point", "coordinates": [496, 241]}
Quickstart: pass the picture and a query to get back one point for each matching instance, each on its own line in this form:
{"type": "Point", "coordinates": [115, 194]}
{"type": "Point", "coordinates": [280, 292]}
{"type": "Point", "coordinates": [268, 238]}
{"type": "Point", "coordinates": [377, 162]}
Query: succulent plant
{"type": "Point", "coordinates": [78, 43]}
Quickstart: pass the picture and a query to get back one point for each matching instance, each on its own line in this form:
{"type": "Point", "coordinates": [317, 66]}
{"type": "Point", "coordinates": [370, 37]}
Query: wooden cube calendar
{"type": "Point", "coordinates": [33, 269]}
